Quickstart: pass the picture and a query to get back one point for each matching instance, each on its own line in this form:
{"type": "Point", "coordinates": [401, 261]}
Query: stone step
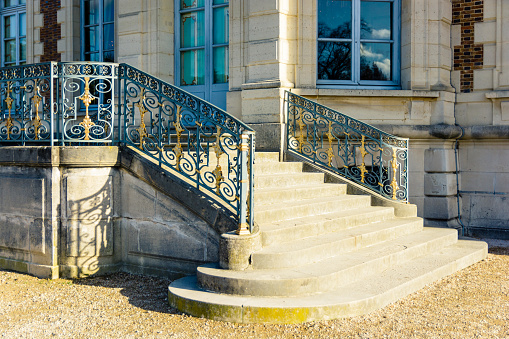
{"type": "Point", "coordinates": [267, 196]}
{"type": "Point", "coordinates": [290, 230]}
{"type": "Point", "coordinates": [285, 180]}
{"type": "Point", "coordinates": [295, 209]}
{"type": "Point", "coordinates": [312, 249]}
{"type": "Point", "coordinates": [359, 297]}
{"type": "Point", "coordinates": [261, 157]}
{"type": "Point", "coordinates": [331, 272]}
{"type": "Point", "coordinates": [270, 168]}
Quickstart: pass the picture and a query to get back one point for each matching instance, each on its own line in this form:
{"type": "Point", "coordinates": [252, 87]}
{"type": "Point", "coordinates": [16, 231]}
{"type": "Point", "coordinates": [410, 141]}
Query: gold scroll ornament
{"type": "Point", "coordinates": [9, 102]}
{"type": "Point", "coordinates": [218, 173]}
{"type": "Point", "coordinates": [87, 99]}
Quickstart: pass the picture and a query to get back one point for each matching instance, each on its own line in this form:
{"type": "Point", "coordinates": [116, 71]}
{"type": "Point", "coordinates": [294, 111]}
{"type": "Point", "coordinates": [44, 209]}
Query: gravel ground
{"type": "Point", "coordinates": [473, 303]}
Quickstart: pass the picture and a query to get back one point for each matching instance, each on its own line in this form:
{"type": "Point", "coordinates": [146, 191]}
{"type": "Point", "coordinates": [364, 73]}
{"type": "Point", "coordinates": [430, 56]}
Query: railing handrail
{"type": "Point", "coordinates": [399, 141]}
{"type": "Point", "coordinates": [196, 98]}
{"type": "Point", "coordinates": [328, 126]}
{"type": "Point", "coordinates": [50, 102]}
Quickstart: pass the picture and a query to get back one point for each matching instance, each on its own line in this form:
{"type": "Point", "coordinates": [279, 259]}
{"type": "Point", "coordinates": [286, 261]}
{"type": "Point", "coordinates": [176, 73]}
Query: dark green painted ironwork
{"type": "Point", "coordinates": [84, 103]}
{"type": "Point", "coordinates": [349, 147]}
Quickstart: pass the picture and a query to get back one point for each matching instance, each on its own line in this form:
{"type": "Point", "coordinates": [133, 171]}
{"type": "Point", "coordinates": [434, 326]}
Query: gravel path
{"type": "Point", "coordinates": [473, 303]}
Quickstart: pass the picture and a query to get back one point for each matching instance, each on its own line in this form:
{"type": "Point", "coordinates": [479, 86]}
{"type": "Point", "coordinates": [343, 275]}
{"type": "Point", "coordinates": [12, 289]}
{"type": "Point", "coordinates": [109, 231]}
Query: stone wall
{"type": "Point", "coordinates": [72, 212]}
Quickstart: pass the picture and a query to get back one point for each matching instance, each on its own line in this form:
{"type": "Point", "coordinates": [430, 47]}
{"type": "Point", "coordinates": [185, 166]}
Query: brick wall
{"type": "Point", "coordinates": [51, 31]}
{"type": "Point", "coordinates": [467, 56]}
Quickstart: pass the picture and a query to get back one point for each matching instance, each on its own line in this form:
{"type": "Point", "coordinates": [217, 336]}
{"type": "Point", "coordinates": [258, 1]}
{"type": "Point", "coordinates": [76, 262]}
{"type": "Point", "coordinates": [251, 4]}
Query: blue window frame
{"type": "Point", "coordinates": [202, 48]}
{"type": "Point", "coordinates": [14, 42]}
{"type": "Point", "coordinates": [358, 43]}
{"type": "Point", "coordinates": [97, 30]}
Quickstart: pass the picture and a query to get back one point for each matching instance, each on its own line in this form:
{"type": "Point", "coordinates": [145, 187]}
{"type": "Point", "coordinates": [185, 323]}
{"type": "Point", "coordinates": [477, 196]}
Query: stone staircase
{"type": "Point", "coordinates": [324, 254]}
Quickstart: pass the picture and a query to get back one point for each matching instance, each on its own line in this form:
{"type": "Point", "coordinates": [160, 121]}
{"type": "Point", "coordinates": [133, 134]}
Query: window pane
{"type": "Point", "coordinates": [22, 48]}
{"type": "Point", "coordinates": [221, 65]}
{"type": "Point", "coordinates": [8, 3]}
{"type": "Point", "coordinates": [334, 19]}
{"type": "Point", "coordinates": [334, 60]}
{"type": "Point", "coordinates": [9, 26]}
{"type": "Point", "coordinates": [219, 2]}
{"type": "Point", "coordinates": [376, 20]}
{"type": "Point", "coordinates": [109, 56]}
{"type": "Point", "coordinates": [91, 39]}
{"type": "Point", "coordinates": [10, 51]}
{"type": "Point", "coordinates": [108, 36]}
{"type": "Point", "coordinates": [191, 3]}
{"type": "Point", "coordinates": [91, 12]}
{"type": "Point", "coordinates": [92, 57]}
{"type": "Point", "coordinates": [193, 29]}
{"type": "Point", "coordinates": [108, 14]}
{"type": "Point", "coordinates": [22, 2]}
{"type": "Point", "coordinates": [192, 66]}
{"type": "Point", "coordinates": [376, 61]}
{"type": "Point", "coordinates": [220, 27]}
{"type": "Point", "coordinates": [22, 24]}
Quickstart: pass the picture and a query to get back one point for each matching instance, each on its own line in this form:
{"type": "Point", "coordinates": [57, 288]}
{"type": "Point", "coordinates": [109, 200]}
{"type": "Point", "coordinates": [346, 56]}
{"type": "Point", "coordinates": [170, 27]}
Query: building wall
{"type": "Point", "coordinates": [72, 212]}
{"type": "Point", "coordinates": [454, 70]}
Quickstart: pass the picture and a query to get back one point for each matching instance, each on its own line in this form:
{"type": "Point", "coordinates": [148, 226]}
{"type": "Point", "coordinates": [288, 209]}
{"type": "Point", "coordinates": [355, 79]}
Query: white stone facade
{"type": "Point", "coordinates": [273, 48]}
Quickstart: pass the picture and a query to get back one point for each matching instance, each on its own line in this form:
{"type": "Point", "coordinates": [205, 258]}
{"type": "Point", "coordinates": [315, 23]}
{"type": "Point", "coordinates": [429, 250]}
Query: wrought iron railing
{"type": "Point", "coordinates": [104, 103]}
{"type": "Point", "coordinates": [197, 142]}
{"type": "Point", "coordinates": [349, 147]}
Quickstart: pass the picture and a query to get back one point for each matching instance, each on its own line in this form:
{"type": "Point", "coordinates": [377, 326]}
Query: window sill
{"type": "Point", "coordinates": [336, 92]}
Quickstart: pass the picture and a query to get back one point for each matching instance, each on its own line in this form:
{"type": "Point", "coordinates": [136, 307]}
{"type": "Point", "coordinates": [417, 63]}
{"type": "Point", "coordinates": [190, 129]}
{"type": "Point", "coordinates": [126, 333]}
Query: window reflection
{"type": "Point", "coordinates": [376, 20]}
{"type": "Point", "coordinates": [98, 31]}
{"type": "Point", "coordinates": [356, 41]}
{"type": "Point", "coordinates": [13, 28]}
{"type": "Point", "coordinates": [376, 61]}
{"type": "Point", "coordinates": [335, 19]}
{"type": "Point", "coordinates": [335, 60]}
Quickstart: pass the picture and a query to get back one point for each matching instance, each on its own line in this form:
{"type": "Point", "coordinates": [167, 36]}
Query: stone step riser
{"type": "Point", "coordinates": [299, 179]}
{"type": "Point", "coordinates": [271, 168]}
{"type": "Point", "coordinates": [264, 197]}
{"type": "Point", "coordinates": [303, 230]}
{"type": "Point", "coordinates": [283, 212]}
{"type": "Point", "coordinates": [323, 251]}
{"type": "Point", "coordinates": [324, 283]}
{"type": "Point", "coordinates": [347, 301]}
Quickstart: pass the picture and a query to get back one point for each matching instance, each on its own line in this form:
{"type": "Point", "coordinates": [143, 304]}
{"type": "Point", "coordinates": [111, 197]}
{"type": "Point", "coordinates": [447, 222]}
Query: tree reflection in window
{"type": "Point", "coordinates": [357, 42]}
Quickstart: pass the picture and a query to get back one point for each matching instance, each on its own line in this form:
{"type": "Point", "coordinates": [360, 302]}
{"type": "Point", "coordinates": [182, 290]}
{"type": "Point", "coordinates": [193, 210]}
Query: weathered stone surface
{"type": "Point", "coordinates": [105, 218]}
{"type": "Point", "coordinates": [439, 160]}
{"type": "Point", "coordinates": [443, 208]}
{"type": "Point", "coordinates": [439, 184]}
{"type": "Point", "coordinates": [235, 251]}
{"type": "Point", "coordinates": [22, 194]}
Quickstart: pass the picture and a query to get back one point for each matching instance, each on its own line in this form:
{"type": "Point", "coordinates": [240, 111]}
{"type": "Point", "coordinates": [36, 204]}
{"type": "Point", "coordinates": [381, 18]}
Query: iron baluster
{"type": "Point", "coordinates": [352, 136]}
{"type": "Point", "coordinates": [91, 87]}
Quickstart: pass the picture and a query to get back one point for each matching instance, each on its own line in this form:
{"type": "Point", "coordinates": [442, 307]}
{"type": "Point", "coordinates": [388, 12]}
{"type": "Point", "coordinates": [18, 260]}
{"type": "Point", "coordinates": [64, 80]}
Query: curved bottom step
{"type": "Point", "coordinates": [358, 298]}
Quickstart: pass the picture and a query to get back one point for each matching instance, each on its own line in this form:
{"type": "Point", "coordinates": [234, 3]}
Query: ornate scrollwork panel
{"type": "Point", "coordinates": [347, 146]}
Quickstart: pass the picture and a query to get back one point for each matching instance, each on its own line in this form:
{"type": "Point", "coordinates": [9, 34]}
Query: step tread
{"type": "Point", "coordinates": [298, 187]}
{"type": "Point", "coordinates": [369, 294]}
{"type": "Point", "coordinates": [289, 224]}
{"type": "Point", "coordinates": [326, 238]}
{"type": "Point", "coordinates": [266, 157]}
{"type": "Point", "coordinates": [338, 263]}
{"type": "Point", "coordinates": [310, 175]}
{"type": "Point", "coordinates": [278, 167]}
{"type": "Point", "coordinates": [304, 202]}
